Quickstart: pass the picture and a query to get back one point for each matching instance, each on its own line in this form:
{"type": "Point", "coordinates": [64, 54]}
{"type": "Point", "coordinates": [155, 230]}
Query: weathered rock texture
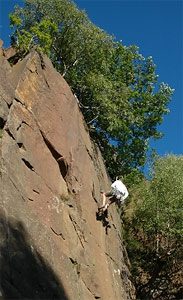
{"type": "Point", "coordinates": [51, 244]}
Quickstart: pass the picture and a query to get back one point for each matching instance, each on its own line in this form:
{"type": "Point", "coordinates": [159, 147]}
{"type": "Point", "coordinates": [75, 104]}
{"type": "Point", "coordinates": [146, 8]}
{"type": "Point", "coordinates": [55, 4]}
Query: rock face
{"type": "Point", "coordinates": [51, 244]}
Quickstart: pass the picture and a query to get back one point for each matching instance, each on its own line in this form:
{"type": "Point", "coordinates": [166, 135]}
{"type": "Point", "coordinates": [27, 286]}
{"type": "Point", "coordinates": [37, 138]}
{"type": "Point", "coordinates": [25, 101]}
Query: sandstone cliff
{"type": "Point", "coordinates": [51, 244]}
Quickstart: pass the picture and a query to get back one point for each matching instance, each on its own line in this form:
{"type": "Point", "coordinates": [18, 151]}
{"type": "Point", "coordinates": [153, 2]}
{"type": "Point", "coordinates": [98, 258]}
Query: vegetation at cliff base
{"type": "Point", "coordinates": [115, 85]}
{"type": "Point", "coordinates": [154, 231]}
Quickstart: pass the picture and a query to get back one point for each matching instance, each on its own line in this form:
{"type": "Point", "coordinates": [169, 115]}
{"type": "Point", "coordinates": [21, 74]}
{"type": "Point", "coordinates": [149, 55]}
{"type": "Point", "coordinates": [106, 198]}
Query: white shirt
{"type": "Point", "coordinates": [121, 190]}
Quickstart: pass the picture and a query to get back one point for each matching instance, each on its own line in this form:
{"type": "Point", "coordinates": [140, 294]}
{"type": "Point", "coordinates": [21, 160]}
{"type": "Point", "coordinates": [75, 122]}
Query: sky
{"type": "Point", "coordinates": [156, 27]}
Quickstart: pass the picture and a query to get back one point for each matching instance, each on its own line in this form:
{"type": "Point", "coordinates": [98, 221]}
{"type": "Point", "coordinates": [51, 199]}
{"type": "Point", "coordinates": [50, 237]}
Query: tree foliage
{"type": "Point", "coordinates": [155, 230]}
{"type": "Point", "coordinates": [115, 85]}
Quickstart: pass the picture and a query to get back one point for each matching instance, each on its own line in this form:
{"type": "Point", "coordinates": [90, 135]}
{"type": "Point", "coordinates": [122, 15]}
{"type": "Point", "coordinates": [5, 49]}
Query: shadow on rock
{"type": "Point", "coordinates": [23, 272]}
{"type": "Point", "coordinates": [103, 217]}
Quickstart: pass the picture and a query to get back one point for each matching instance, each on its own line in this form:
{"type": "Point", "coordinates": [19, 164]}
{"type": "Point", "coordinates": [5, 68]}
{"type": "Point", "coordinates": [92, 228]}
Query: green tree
{"type": "Point", "coordinates": [114, 84]}
{"type": "Point", "coordinates": [155, 230]}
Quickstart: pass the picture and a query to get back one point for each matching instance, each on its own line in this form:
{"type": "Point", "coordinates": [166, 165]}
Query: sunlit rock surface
{"type": "Point", "coordinates": [52, 245]}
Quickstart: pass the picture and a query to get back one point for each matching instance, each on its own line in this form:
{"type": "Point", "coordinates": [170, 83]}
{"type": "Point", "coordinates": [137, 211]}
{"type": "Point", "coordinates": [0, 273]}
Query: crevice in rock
{"type": "Point", "coordinates": [44, 182]}
{"type": "Point", "coordinates": [93, 193]}
{"type": "Point", "coordinates": [21, 146]}
{"type": "Point", "coordinates": [114, 226]}
{"type": "Point", "coordinates": [58, 234]}
{"type": "Point", "coordinates": [2, 123]}
{"type": "Point", "coordinates": [90, 155]}
{"type": "Point", "coordinates": [111, 258]}
{"type": "Point", "coordinates": [43, 65]}
{"type": "Point", "coordinates": [20, 125]}
{"type": "Point", "coordinates": [73, 261]}
{"type": "Point", "coordinates": [75, 225]}
{"type": "Point", "coordinates": [16, 188]}
{"type": "Point", "coordinates": [9, 104]}
{"type": "Point", "coordinates": [9, 133]}
{"type": "Point", "coordinates": [76, 264]}
{"type": "Point", "coordinates": [36, 192]}
{"type": "Point", "coordinates": [33, 71]}
{"type": "Point", "coordinates": [25, 106]}
{"type": "Point", "coordinates": [19, 101]}
{"type": "Point", "coordinates": [70, 205]}
{"type": "Point", "coordinates": [63, 166]}
{"type": "Point", "coordinates": [53, 151]}
{"type": "Point", "coordinates": [28, 165]}
{"type": "Point", "coordinates": [30, 199]}
{"type": "Point", "coordinates": [47, 82]}
{"type": "Point", "coordinates": [120, 237]}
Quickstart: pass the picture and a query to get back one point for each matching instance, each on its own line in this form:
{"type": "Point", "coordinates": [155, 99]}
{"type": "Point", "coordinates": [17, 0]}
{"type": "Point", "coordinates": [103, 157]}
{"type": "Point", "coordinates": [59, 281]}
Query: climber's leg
{"type": "Point", "coordinates": [104, 200]}
{"type": "Point", "coordinates": [111, 200]}
{"type": "Point", "coordinates": [104, 195]}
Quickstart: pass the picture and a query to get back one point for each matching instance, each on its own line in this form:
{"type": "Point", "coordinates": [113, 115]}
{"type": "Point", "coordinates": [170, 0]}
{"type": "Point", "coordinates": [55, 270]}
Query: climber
{"type": "Point", "coordinates": [117, 194]}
